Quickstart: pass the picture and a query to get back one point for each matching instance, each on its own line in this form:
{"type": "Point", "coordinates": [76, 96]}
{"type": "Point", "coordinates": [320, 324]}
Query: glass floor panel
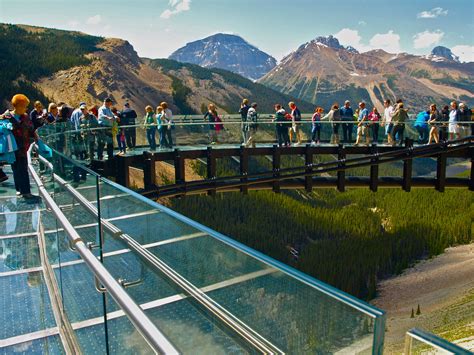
{"type": "Point", "coordinates": [155, 227]}
{"type": "Point", "coordinates": [204, 260]}
{"type": "Point", "coordinates": [203, 334]}
{"type": "Point", "coordinates": [48, 345]}
{"type": "Point", "coordinates": [25, 306]}
{"type": "Point", "coordinates": [18, 223]}
{"type": "Point", "coordinates": [19, 253]}
{"type": "Point", "coordinates": [78, 284]}
{"type": "Point", "coordinates": [174, 320]}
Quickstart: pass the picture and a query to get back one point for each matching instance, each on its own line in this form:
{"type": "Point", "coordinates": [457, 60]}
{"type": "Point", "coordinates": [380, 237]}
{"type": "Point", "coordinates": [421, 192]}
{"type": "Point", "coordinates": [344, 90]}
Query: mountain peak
{"type": "Point", "coordinates": [439, 53]}
{"type": "Point", "coordinates": [329, 41]}
{"type": "Point", "coordinates": [226, 51]}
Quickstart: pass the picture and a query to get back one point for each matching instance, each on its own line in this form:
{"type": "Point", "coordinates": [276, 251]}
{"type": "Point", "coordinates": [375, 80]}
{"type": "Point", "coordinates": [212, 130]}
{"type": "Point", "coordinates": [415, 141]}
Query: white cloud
{"type": "Point", "coordinates": [177, 6]}
{"type": "Point", "coordinates": [389, 41]}
{"type": "Point", "coordinates": [465, 53]}
{"type": "Point", "coordinates": [362, 23]}
{"type": "Point", "coordinates": [433, 13]}
{"type": "Point", "coordinates": [348, 37]}
{"type": "Point", "coordinates": [427, 39]}
{"type": "Point", "coordinates": [94, 20]}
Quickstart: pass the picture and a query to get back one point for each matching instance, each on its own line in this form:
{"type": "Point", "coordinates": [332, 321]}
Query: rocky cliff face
{"type": "Point", "coordinates": [227, 52]}
{"type": "Point", "coordinates": [440, 53]}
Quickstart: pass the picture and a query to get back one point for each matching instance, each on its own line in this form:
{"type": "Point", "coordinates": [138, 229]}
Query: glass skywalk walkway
{"type": "Point", "coordinates": [201, 292]}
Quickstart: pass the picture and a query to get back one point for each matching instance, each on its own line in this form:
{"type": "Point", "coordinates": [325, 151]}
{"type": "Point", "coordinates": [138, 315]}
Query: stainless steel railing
{"type": "Point", "coordinates": [154, 337]}
{"type": "Point", "coordinates": [247, 334]}
{"type": "Point", "coordinates": [429, 342]}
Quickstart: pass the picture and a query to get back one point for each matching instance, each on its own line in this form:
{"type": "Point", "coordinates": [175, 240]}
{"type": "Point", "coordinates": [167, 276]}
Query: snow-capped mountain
{"type": "Point", "coordinates": [228, 52]}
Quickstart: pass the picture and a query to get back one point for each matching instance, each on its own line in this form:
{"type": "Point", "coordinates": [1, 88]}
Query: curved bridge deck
{"type": "Point", "coordinates": [305, 174]}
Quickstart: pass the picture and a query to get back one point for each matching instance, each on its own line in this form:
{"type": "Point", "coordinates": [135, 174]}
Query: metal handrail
{"type": "Point", "coordinates": [157, 341]}
{"type": "Point", "coordinates": [247, 333]}
{"type": "Point", "coordinates": [266, 120]}
{"type": "Point", "coordinates": [432, 340]}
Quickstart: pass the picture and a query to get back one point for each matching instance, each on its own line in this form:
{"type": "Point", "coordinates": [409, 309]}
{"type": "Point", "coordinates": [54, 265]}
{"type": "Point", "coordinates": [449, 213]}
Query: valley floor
{"type": "Point", "coordinates": [443, 287]}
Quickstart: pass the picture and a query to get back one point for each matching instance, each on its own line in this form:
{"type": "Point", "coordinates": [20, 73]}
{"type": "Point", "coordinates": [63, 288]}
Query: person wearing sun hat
{"type": "Point", "coordinates": [24, 132]}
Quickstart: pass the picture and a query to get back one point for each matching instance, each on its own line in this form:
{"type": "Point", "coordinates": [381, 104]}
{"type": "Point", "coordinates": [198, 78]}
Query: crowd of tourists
{"type": "Point", "coordinates": [92, 129]}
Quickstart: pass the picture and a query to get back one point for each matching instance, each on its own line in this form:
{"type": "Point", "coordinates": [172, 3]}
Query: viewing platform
{"type": "Point", "coordinates": [94, 267]}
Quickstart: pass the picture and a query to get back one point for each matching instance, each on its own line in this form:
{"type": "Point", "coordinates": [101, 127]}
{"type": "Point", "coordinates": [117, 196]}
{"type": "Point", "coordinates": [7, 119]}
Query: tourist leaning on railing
{"type": "Point", "coordinates": [347, 117]}
{"type": "Point", "coordinates": [252, 118]}
{"type": "Point", "coordinates": [443, 129]}
{"type": "Point", "coordinates": [362, 125]}
{"type": "Point", "coordinates": [38, 115]}
{"type": "Point", "coordinates": [421, 126]}
{"type": "Point", "coordinates": [168, 121]}
{"type": "Point", "coordinates": [316, 125]}
{"type": "Point", "coordinates": [374, 118]}
{"type": "Point", "coordinates": [118, 132]}
{"type": "Point", "coordinates": [434, 122]}
{"type": "Point", "coordinates": [465, 116]}
{"type": "Point", "coordinates": [106, 119]}
{"type": "Point", "coordinates": [129, 116]}
{"type": "Point", "coordinates": [281, 126]}
{"type": "Point", "coordinates": [387, 120]}
{"type": "Point", "coordinates": [89, 125]}
{"type": "Point", "coordinates": [295, 123]}
{"type": "Point", "coordinates": [334, 116]}
{"type": "Point", "coordinates": [211, 116]}
{"type": "Point", "coordinates": [243, 111]}
{"type": "Point", "coordinates": [454, 118]}
{"type": "Point", "coordinates": [161, 127]}
{"type": "Point", "coordinates": [149, 122]}
{"type": "Point", "coordinates": [400, 116]}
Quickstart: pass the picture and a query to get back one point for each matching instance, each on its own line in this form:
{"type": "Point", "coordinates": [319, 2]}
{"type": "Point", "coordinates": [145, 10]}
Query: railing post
{"type": "Point", "coordinates": [211, 169]}
{"type": "Point", "coordinates": [374, 168]}
{"type": "Point", "coordinates": [379, 334]}
{"type": "Point", "coordinates": [244, 169]}
{"type": "Point", "coordinates": [179, 172]}
{"type": "Point", "coordinates": [308, 160]}
{"type": "Point", "coordinates": [341, 174]}
{"type": "Point", "coordinates": [408, 166]}
{"type": "Point", "coordinates": [441, 164]}
{"type": "Point", "coordinates": [149, 173]}
{"type": "Point", "coordinates": [122, 173]}
{"type": "Point", "coordinates": [276, 160]}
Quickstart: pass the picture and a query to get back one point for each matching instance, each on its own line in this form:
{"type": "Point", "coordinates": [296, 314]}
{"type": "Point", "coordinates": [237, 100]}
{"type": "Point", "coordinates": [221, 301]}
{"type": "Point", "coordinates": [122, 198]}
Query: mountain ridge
{"type": "Point", "coordinates": [323, 72]}
{"type": "Point", "coordinates": [226, 51]}
{"type": "Point", "coordinates": [100, 67]}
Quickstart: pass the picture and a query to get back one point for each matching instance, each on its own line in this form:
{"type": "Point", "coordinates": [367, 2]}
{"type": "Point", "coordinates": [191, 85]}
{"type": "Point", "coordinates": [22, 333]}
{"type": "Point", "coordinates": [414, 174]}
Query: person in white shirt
{"type": "Point", "coordinates": [387, 120]}
{"type": "Point", "coordinates": [454, 118]}
{"type": "Point", "coordinates": [167, 122]}
{"type": "Point", "coordinates": [252, 117]}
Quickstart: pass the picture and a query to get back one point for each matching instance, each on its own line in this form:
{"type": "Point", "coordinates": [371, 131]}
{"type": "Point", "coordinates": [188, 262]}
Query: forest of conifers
{"type": "Point", "coordinates": [349, 240]}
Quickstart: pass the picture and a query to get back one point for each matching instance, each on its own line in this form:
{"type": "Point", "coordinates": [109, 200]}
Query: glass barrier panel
{"type": "Point", "coordinates": [289, 313]}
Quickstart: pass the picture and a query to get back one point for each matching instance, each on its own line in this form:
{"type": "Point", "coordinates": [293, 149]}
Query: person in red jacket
{"type": "Point", "coordinates": [24, 132]}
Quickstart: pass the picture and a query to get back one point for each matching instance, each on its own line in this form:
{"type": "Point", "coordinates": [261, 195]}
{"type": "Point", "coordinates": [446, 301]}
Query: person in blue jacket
{"type": "Point", "coordinates": [7, 145]}
{"type": "Point", "coordinates": [421, 126]}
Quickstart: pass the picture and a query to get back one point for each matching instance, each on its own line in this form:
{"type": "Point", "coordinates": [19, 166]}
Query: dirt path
{"type": "Point", "coordinates": [442, 286]}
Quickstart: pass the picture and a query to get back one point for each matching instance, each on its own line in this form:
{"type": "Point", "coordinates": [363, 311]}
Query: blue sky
{"type": "Point", "coordinates": [158, 27]}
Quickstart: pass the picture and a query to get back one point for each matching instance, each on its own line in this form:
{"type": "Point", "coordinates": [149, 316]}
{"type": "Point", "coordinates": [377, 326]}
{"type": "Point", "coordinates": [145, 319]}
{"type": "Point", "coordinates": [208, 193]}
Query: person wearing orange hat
{"type": "Point", "coordinates": [24, 132]}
